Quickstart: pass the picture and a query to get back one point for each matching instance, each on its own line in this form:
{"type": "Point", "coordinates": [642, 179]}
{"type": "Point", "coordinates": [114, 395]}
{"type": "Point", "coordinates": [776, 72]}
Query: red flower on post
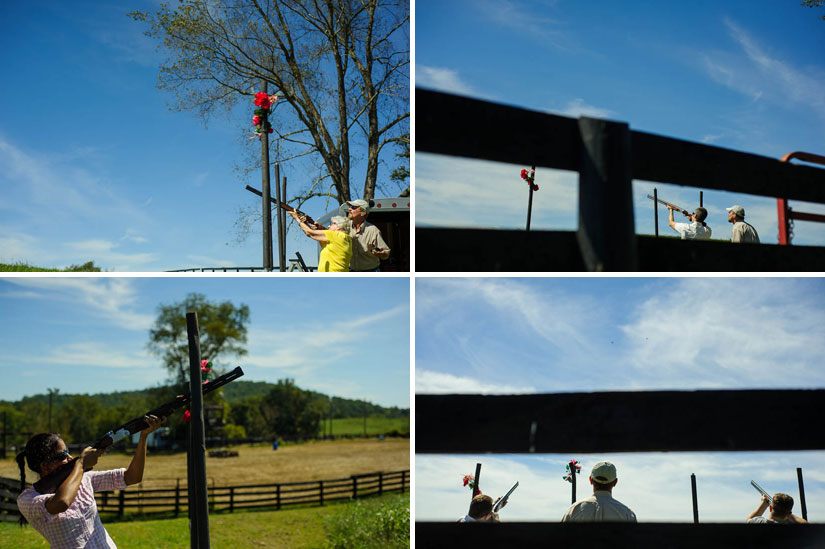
{"type": "Point", "coordinates": [187, 417]}
{"type": "Point", "coordinates": [262, 100]}
{"type": "Point", "coordinates": [530, 177]}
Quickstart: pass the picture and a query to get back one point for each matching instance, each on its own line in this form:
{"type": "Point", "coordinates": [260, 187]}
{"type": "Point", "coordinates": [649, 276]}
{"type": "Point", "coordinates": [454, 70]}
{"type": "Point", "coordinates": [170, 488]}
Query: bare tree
{"type": "Point", "coordinates": [341, 65]}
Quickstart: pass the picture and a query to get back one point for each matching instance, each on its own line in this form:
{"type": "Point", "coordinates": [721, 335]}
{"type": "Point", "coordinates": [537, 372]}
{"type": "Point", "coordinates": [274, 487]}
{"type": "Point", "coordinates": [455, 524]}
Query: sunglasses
{"type": "Point", "coordinates": [59, 457]}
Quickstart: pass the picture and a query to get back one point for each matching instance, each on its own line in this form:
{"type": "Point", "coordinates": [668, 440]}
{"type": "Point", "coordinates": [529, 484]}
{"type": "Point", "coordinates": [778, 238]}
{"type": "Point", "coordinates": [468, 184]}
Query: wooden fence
{"type": "Point", "coordinates": [619, 422]}
{"type": "Point", "coordinates": [608, 156]}
{"type": "Point", "coordinates": [229, 498]}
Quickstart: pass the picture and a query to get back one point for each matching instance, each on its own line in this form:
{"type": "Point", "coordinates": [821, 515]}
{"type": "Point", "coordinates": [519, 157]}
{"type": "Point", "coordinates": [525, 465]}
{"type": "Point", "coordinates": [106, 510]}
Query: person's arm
{"type": "Point", "coordinates": [670, 220]}
{"type": "Point", "coordinates": [134, 473]}
{"type": "Point", "coordinates": [384, 252]}
{"type": "Point", "coordinates": [314, 234]}
{"type": "Point", "coordinates": [761, 509]}
{"type": "Point", "coordinates": [67, 491]}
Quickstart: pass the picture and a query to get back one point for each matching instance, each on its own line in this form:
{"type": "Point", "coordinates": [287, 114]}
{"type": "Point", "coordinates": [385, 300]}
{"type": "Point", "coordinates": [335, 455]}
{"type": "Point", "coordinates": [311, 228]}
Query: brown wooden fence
{"type": "Point", "coordinates": [229, 498]}
{"type": "Point", "coordinates": [608, 156]}
{"type": "Point", "coordinates": [649, 421]}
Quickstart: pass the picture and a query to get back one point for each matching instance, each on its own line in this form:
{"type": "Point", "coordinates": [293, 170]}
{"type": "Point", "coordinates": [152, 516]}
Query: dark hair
{"type": "Point", "coordinates": [701, 214]}
{"type": "Point", "coordinates": [38, 449]}
{"type": "Point", "coordinates": [481, 506]}
{"type": "Point", "coordinates": [603, 486]}
{"type": "Point", "coordinates": [782, 504]}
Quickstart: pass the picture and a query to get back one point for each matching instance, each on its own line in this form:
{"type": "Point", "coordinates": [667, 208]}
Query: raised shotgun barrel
{"type": "Point", "coordinates": [674, 206]}
{"type": "Point", "coordinates": [50, 483]}
{"type": "Point", "coordinates": [763, 492]}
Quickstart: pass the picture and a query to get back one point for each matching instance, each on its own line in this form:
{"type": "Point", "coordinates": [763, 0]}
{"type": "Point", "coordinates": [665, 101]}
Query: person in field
{"type": "Point", "coordinates": [780, 511]}
{"type": "Point", "coordinates": [368, 246]}
{"type": "Point", "coordinates": [336, 243]}
{"type": "Point", "coordinates": [697, 229]}
{"type": "Point", "coordinates": [600, 507]}
{"type": "Point", "coordinates": [741, 232]}
{"type": "Point", "coordinates": [68, 518]}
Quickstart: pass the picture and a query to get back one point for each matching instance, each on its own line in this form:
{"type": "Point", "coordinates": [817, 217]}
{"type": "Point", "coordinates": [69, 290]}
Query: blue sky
{"type": "Point", "coordinates": [745, 75]}
{"type": "Point", "coordinates": [93, 164]}
{"type": "Point", "coordinates": [346, 337]}
{"type": "Point", "coordinates": [549, 335]}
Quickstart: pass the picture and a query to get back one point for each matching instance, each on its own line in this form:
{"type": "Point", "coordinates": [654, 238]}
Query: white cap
{"type": "Point", "coordinates": [603, 472]}
{"type": "Point", "coordinates": [738, 210]}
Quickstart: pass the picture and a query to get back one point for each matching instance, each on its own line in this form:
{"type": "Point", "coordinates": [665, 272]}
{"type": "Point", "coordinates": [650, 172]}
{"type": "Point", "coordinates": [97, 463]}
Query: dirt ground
{"type": "Point", "coordinates": [262, 465]}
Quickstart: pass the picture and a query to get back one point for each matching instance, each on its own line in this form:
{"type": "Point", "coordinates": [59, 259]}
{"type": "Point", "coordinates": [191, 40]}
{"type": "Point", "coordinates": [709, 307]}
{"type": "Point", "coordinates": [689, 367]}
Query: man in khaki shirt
{"type": "Point", "coordinates": [741, 232]}
{"type": "Point", "coordinates": [368, 247]}
{"type": "Point", "coordinates": [600, 507]}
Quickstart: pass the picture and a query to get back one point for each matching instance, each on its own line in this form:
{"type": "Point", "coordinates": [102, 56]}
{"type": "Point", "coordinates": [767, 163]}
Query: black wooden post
{"type": "Point", "coordinates": [573, 482]}
{"type": "Point", "coordinates": [656, 211]}
{"type": "Point", "coordinates": [476, 491]}
{"type": "Point", "coordinates": [278, 497]}
{"type": "Point", "coordinates": [695, 500]}
{"type": "Point", "coordinates": [321, 492]}
{"type": "Point", "coordinates": [265, 194]}
{"type": "Point", "coordinates": [403, 480]}
{"type": "Point", "coordinates": [121, 503]}
{"type": "Point", "coordinates": [530, 200]}
{"type": "Point", "coordinates": [802, 493]}
{"type": "Point", "coordinates": [282, 227]}
{"type": "Point", "coordinates": [354, 487]}
{"type": "Point", "coordinates": [177, 498]}
{"type": "Point", "coordinates": [606, 232]}
{"type": "Point", "coordinates": [279, 214]}
{"type": "Point", "coordinates": [701, 198]}
{"type": "Point", "coordinates": [198, 498]}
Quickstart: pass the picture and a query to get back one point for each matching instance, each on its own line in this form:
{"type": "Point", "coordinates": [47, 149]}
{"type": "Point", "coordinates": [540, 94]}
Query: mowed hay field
{"type": "Point", "coordinates": [259, 464]}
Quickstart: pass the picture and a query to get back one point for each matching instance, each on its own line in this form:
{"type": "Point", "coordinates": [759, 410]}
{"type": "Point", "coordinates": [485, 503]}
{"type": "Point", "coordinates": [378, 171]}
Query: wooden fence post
{"type": "Point", "coordinates": [321, 491]}
{"type": "Point", "coordinates": [121, 503]}
{"type": "Point", "coordinates": [278, 496]}
{"type": "Point", "coordinates": [231, 499]}
{"type": "Point", "coordinates": [354, 487]}
{"type": "Point", "coordinates": [380, 483]}
{"type": "Point", "coordinates": [177, 498]}
{"type": "Point", "coordinates": [403, 480]}
{"type": "Point", "coordinates": [606, 234]}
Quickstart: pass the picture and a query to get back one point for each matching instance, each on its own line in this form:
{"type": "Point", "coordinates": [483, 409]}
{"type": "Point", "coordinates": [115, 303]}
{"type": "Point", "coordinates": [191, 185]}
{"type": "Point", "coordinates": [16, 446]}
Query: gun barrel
{"type": "Point", "coordinates": [761, 491]}
{"type": "Point", "coordinates": [674, 206]}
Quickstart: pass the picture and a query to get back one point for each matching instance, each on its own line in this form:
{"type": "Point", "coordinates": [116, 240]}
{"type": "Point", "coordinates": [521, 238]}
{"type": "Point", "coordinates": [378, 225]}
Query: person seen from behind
{"type": "Point", "coordinates": [697, 229]}
{"type": "Point", "coordinates": [780, 511]}
{"type": "Point", "coordinates": [600, 507]}
{"type": "Point", "coordinates": [741, 232]}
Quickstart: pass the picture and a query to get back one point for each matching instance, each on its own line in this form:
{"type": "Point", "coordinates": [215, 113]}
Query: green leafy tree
{"type": "Point", "coordinates": [292, 412]}
{"type": "Point", "coordinates": [814, 4]}
{"type": "Point", "coordinates": [222, 328]}
{"type": "Point", "coordinates": [342, 67]}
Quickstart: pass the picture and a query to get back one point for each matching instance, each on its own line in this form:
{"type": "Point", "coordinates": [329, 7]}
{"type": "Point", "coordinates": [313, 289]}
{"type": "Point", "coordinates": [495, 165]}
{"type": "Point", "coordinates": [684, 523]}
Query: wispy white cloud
{"type": "Point", "coordinates": [111, 298]}
{"type": "Point", "coordinates": [578, 107]}
{"type": "Point", "coordinates": [442, 79]}
{"type": "Point", "coordinates": [457, 192]}
{"type": "Point", "coordinates": [429, 382]}
{"type": "Point", "coordinates": [763, 75]}
{"type": "Point", "coordinates": [525, 20]}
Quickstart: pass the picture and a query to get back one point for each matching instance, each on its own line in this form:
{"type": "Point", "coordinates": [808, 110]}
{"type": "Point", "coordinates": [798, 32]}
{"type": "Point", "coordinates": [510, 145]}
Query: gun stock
{"type": "Point", "coordinates": [50, 483]}
{"type": "Point", "coordinates": [286, 207]}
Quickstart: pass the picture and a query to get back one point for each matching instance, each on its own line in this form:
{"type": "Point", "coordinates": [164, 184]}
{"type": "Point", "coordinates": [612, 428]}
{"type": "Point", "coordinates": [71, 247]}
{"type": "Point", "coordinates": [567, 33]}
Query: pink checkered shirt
{"type": "Point", "coordinates": [79, 525]}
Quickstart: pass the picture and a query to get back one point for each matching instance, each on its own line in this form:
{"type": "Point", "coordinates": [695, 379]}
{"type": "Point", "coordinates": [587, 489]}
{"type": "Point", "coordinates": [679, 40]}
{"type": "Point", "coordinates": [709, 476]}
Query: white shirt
{"type": "Point", "coordinates": [600, 507]}
{"type": "Point", "coordinates": [693, 231]}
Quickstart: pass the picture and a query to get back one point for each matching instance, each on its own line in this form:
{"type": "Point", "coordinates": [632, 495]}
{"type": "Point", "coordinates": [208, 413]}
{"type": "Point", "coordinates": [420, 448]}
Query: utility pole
{"type": "Point", "coordinates": [52, 392]}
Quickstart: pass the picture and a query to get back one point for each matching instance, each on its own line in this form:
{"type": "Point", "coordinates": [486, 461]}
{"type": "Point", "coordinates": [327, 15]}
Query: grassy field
{"type": "Point", "coordinates": [26, 268]}
{"type": "Point", "coordinates": [261, 465]}
{"type": "Point", "coordinates": [376, 522]}
{"type": "Point", "coordinates": [376, 425]}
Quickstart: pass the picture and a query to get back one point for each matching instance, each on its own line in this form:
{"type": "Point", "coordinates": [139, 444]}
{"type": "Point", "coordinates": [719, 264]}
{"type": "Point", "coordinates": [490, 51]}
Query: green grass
{"type": "Point", "coordinates": [385, 521]}
{"type": "Point", "coordinates": [376, 425]}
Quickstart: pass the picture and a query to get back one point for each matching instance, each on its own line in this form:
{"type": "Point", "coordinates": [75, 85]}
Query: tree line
{"type": "Point", "coordinates": [250, 409]}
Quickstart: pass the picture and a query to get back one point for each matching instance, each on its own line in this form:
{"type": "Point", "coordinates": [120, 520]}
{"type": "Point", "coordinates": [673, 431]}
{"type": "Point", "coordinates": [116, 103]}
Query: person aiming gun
{"type": "Point", "coordinates": [68, 517]}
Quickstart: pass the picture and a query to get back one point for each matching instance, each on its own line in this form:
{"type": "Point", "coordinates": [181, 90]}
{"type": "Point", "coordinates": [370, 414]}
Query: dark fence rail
{"type": "Point", "coordinates": [618, 422]}
{"type": "Point", "coordinates": [608, 156]}
{"type": "Point", "coordinates": [229, 498]}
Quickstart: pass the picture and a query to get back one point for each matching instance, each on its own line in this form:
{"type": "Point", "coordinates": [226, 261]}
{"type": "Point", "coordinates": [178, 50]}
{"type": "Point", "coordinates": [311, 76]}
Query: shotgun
{"type": "Point", "coordinates": [503, 500]}
{"type": "Point", "coordinates": [763, 492]}
{"type": "Point", "coordinates": [287, 207]}
{"type": "Point", "coordinates": [674, 206]}
{"type": "Point", "coordinates": [50, 483]}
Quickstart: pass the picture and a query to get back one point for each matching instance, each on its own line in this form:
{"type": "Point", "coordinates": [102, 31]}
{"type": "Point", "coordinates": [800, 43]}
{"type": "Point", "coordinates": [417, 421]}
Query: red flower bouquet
{"type": "Point", "coordinates": [530, 176]}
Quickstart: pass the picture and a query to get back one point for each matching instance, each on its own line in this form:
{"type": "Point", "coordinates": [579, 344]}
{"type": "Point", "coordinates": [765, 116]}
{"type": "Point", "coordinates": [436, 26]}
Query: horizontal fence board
{"type": "Point", "coordinates": [495, 250]}
{"type": "Point", "coordinates": [605, 534]}
{"type": "Point", "coordinates": [617, 422]}
{"type": "Point", "coordinates": [460, 126]}
{"type": "Point", "coordinates": [669, 160]}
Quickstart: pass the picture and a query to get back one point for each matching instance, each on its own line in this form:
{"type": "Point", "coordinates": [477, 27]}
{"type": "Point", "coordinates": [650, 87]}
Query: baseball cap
{"type": "Point", "coordinates": [738, 210]}
{"type": "Point", "coordinates": [603, 472]}
{"type": "Point", "coordinates": [360, 204]}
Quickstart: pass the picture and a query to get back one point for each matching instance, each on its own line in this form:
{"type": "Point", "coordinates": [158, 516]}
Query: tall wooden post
{"type": "Point", "coordinates": [279, 217]}
{"type": "Point", "coordinates": [656, 211]}
{"type": "Point", "coordinates": [476, 491]}
{"type": "Point", "coordinates": [606, 234]}
{"type": "Point", "coordinates": [198, 498]}
{"type": "Point", "coordinates": [265, 194]}
{"type": "Point", "coordinates": [802, 503]}
{"type": "Point", "coordinates": [573, 482]}
{"type": "Point", "coordinates": [695, 500]}
{"type": "Point", "coordinates": [282, 234]}
{"type": "Point", "coordinates": [530, 200]}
